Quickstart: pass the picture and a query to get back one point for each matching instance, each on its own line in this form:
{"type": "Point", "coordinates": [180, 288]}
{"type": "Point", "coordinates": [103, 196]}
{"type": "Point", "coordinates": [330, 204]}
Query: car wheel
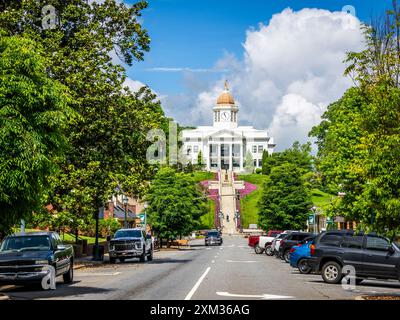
{"type": "Point", "coordinates": [286, 256]}
{"type": "Point", "coordinates": [143, 255]}
{"type": "Point", "coordinates": [69, 276]}
{"type": "Point", "coordinates": [150, 255]}
{"type": "Point", "coordinates": [268, 251]}
{"type": "Point", "coordinates": [303, 267]}
{"type": "Point", "coordinates": [258, 249]}
{"type": "Point", "coordinates": [332, 272]}
{"type": "Point", "coordinates": [112, 260]}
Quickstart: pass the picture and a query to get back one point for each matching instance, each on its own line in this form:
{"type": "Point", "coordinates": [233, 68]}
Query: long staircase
{"type": "Point", "coordinates": [228, 202]}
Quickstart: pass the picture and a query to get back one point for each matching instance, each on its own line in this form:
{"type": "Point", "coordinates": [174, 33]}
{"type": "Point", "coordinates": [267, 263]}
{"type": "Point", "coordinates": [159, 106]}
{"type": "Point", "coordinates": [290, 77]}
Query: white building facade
{"type": "Point", "coordinates": [226, 145]}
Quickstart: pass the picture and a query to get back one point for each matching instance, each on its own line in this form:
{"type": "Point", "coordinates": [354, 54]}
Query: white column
{"type": "Point", "coordinates": [219, 155]}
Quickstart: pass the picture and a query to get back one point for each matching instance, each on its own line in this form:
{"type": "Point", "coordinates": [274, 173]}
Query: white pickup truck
{"type": "Point", "coordinates": [264, 241]}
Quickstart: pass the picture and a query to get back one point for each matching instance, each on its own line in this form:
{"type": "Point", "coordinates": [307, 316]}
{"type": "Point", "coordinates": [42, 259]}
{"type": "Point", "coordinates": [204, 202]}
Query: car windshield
{"type": "Point", "coordinates": [128, 234]}
{"type": "Point", "coordinates": [26, 243]}
{"type": "Point", "coordinates": [212, 234]}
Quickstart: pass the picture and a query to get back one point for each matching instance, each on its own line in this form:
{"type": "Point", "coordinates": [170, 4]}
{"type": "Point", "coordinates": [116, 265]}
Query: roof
{"type": "Point", "coordinates": [226, 97]}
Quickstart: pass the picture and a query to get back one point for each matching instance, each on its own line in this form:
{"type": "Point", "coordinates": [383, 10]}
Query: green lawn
{"type": "Point", "coordinates": [207, 221]}
{"type": "Point", "coordinates": [199, 176]}
{"type": "Point", "coordinates": [249, 204]}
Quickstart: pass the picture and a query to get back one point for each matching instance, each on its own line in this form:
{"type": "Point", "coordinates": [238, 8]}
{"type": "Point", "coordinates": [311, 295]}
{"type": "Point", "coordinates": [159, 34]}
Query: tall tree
{"type": "Point", "coordinates": [285, 202]}
{"type": "Point", "coordinates": [34, 116]}
{"type": "Point", "coordinates": [175, 204]}
{"type": "Point", "coordinates": [111, 133]}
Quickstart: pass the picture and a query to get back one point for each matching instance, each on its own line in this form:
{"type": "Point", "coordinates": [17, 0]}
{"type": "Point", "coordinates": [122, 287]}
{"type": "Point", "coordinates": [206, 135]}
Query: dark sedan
{"type": "Point", "coordinates": [213, 237]}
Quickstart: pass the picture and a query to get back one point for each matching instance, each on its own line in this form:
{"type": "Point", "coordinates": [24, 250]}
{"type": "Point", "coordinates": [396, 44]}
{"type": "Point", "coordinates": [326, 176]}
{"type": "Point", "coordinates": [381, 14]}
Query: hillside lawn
{"type": "Point", "coordinates": [249, 204]}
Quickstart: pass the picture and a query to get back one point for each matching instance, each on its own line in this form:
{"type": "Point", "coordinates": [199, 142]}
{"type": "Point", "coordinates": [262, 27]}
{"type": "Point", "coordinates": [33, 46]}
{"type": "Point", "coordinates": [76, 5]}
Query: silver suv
{"type": "Point", "coordinates": [130, 243]}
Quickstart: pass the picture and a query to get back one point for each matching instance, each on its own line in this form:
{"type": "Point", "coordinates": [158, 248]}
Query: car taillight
{"type": "Point", "coordinates": [292, 250]}
{"type": "Point", "coordinates": [282, 242]}
{"type": "Point", "coordinates": [312, 249]}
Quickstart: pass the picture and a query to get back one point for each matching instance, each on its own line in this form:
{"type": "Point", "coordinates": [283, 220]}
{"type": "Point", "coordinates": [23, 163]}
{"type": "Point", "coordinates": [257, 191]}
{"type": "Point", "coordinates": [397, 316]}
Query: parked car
{"type": "Point", "coordinates": [299, 254]}
{"type": "Point", "coordinates": [26, 257]}
{"type": "Point", "coordinates": [372, 256]}
{"type": "Point", "coordinates": [253, 240]}
{"type": "Point", "coordinates": [131, 243]}
{"type": "Point", "coordinates": [213, 237]}
{"type": "Point", "coordinates": [265, 241]}
{"type": "Point", "coordinates": [290, 240]}
{"type": "Point", "coordinates": [276, 243]}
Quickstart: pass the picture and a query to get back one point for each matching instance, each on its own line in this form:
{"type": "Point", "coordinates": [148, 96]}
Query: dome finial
{"type": "Point", "coordinates": [226, 85]}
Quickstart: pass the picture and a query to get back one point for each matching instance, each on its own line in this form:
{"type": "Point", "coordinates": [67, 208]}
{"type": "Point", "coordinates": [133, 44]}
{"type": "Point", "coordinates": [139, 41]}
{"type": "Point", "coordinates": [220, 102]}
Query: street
{"type": "Point", "coordinates": [232, 271]}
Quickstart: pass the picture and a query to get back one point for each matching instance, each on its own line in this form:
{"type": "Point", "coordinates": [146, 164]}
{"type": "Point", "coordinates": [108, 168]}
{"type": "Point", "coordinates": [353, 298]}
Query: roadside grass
{"type": "Point", "coordinates": [249, 203]}
{"type": "Point", "coordinates": [67, 237]}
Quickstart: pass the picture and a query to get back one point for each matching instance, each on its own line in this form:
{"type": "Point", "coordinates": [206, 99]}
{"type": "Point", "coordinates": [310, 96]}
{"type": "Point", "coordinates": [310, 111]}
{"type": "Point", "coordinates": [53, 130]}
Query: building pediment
{"type": "Point", "coordinates": [224, 134]}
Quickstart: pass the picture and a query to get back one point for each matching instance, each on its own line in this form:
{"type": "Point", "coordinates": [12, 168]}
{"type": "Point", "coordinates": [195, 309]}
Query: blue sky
{"type": "Point", "coordinates": [284, 66]}
{"type": "Point", "coordinates": [196, 33]}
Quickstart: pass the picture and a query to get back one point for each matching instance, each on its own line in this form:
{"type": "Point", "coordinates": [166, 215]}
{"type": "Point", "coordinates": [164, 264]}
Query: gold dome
{"type": "Point", "coordinates": [225, 97]}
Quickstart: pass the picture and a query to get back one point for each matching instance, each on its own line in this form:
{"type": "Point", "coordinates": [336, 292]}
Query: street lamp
{"type": "Point", "coordinates": [125, 202]}
{"type": "Point", "coordinates": [314, 210]}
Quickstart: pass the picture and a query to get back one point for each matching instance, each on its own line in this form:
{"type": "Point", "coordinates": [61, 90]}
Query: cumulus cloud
{"type": "Point", "coordinates": [291, 69]}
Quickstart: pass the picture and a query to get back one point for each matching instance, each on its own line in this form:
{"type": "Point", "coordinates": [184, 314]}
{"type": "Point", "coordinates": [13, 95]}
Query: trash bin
{"type": "Point", "coordinates": [98, 252]}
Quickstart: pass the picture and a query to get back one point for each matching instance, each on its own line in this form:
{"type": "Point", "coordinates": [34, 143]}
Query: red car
{"type": "Point", "coordinates": [254, 240]}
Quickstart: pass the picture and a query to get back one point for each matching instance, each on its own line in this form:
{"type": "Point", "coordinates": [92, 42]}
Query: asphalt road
{"type": "Point", "coordinates": [232, 271]}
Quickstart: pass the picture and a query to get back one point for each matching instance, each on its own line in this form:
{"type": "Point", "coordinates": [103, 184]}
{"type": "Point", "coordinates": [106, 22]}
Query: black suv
{"type": "Point", "coordinates": [372, 256]}
{"type": "Point", "coordinates": [213, 237]}
{"type": "Point", "coordinates": [292, 239]}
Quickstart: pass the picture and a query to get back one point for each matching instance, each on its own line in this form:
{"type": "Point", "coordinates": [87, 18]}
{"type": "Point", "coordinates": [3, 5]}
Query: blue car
{"type": "Point", "coordinates": [298, 255]}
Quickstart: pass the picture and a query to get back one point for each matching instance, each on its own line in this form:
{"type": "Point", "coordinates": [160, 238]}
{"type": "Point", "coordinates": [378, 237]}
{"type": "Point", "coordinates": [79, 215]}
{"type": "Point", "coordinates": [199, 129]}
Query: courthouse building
{"type": "Point", "coordinates": [226, 145]}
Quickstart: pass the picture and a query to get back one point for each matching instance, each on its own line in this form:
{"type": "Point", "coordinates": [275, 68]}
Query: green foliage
{"type": "Point", "coordinates": [248, 163]}
{"type": "Point", "coordinates": [175, 204]}
{"type": "Point", "coordinates": [108, 226]}
{"type": "Point", "coordinates": [359, 137]}
{"type": "Point", "coordinates": [107, 143]}
{"type": "Point", "coordinates": [34, 115]}
{"type": "Point", "coordinates": [285, 203]}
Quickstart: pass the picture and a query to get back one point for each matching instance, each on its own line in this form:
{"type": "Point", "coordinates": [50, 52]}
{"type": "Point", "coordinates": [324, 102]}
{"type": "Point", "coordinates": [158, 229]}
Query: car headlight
{"type": "Point", "coordinates": [138, 245]}
{"type": "Point", "coordinates": [41, 262]}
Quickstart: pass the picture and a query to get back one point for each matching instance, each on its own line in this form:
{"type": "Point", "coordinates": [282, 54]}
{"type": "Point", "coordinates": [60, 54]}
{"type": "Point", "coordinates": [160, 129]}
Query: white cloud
{"type": "Point", "coordinates": [291, 70]}
{"type": "Point", "coordinates": [133, 85]}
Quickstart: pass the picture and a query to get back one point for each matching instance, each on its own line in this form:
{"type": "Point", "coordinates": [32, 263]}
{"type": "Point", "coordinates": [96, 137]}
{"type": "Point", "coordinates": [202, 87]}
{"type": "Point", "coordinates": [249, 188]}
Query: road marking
{"type": "Point", "coordinates": [98, 274]}
{"type": "Point", "coordinates": [220, 248]}
{"type": "Point", "coordinates": [197, 285]}
{"type": "Point", "coordinates": [213, 261]}
{"type": "Point", "coordinates": [254, 296]}
{"type": "Point", "coordinates": [249, 261]}
{"type": "Point", "coordinates": [242, 246]}
{"type": "Point", "coordinates": [208, 248]}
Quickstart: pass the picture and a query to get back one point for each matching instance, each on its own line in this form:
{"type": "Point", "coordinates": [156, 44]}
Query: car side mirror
{"type": "Point", "coordinates": [108, 238]}
{"type": "Point", "coordinates": [60, 247]}
{"type": "Point", "coordinates": [148, 237]}
{"type": "Point", "coordinates": [391, 250]}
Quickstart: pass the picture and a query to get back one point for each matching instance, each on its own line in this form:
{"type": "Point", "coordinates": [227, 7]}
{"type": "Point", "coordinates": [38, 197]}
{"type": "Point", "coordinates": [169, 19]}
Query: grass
{"type": "Point", "coordinates": [67, 237]}
{"type": "Point", "coordinates": [207, 220]}
{"type": "Point", "coordinates": [199, 176]}
{"type": "Point", "coordinates": [321, 199]}
{"type": "Point", "coordinates": [249, 204]}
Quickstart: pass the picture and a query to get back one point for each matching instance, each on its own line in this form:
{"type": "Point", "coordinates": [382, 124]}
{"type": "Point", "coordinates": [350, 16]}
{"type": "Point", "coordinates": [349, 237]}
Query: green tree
{"type": "Point", "coordinates": [108, 144]}
{"type": "Point", "coordinates": [34, 116]}
{"type": "Point", "coordinates": [249, 163]}
{"type": "Point", "coordinates": [359, 136]}
{"type": "Point", "coordinates": [285, 202]}
{"type": "Point", "coordinates": [175, 204]}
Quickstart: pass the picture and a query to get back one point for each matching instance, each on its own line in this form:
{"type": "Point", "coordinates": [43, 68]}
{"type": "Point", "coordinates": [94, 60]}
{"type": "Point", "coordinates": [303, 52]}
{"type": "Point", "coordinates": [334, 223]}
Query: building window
{"type": "Point", "coordinates": [255, 163]}
{"type": "Point", "coordinates": [260, 163]}
{"type": "Point", "coordinates": [188, 150]}
{"type": "Point", "coordinates": [254, 149]}
{"type": "Point", "coordinates": [196, 149]}
{"type": "Point", "coordinates": [260, 149]}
